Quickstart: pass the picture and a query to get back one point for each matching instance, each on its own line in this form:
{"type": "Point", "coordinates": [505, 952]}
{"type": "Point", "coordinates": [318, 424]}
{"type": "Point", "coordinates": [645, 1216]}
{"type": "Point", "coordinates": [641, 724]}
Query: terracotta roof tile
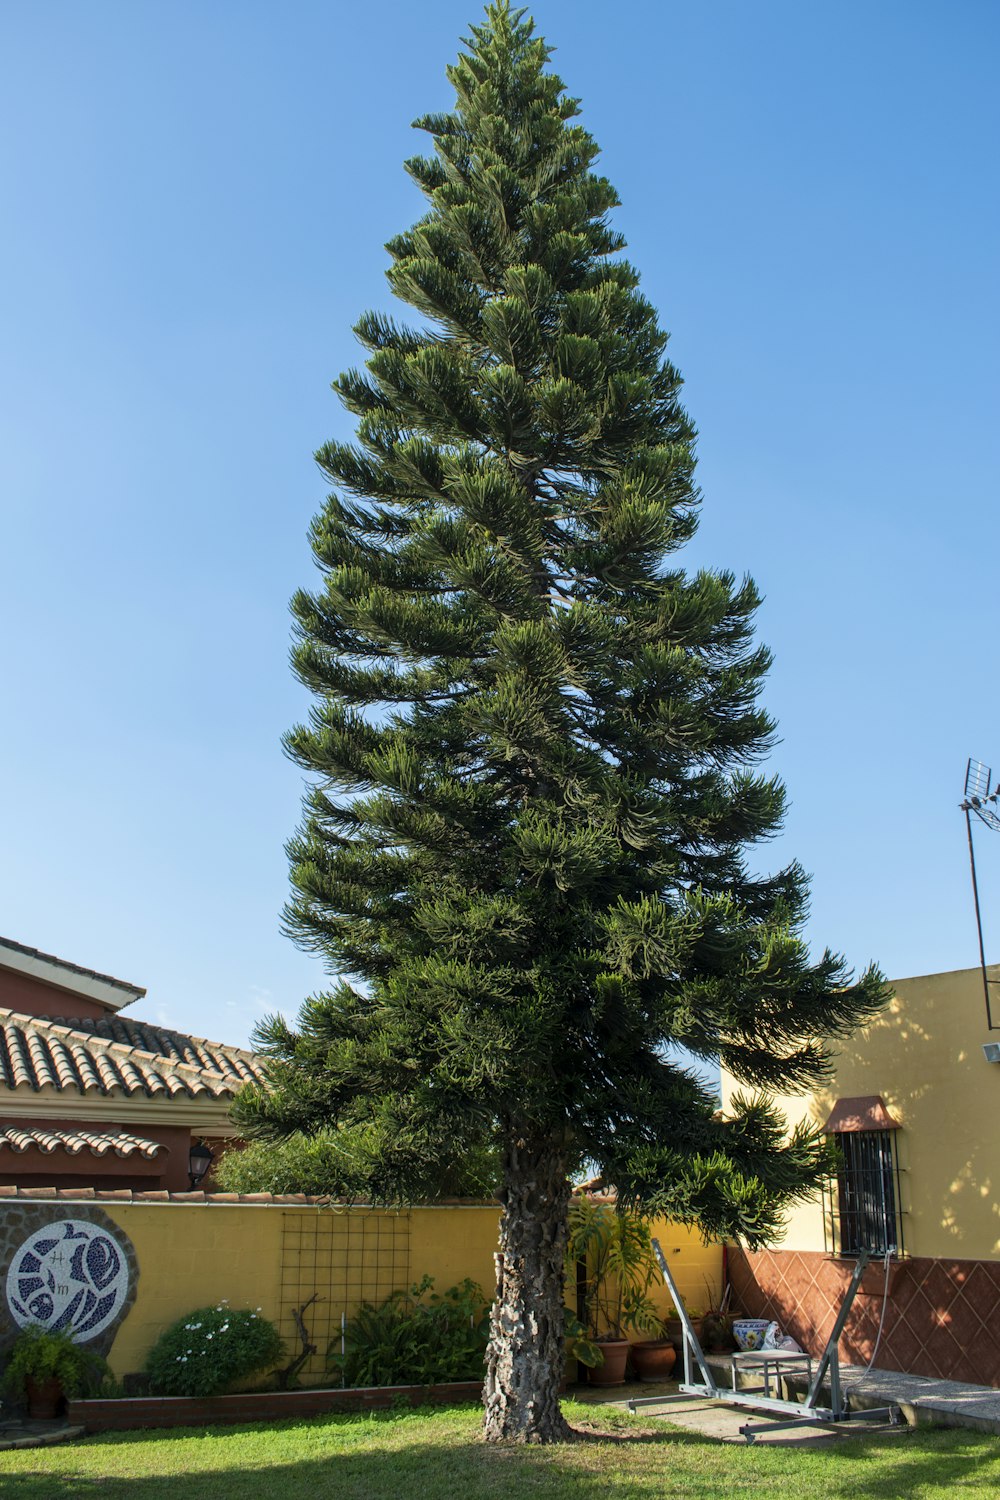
{"type": "Point", "coordinates": [175, 1046]}
{"type": "Point", "coordinates": [114, 1057]}
{"type": "Point", "coordinates": [20, 1066]}
{"type": "Point", "coordinates": [74, 1141]}
{"type": "Point", "coordinates": [223, 1200]}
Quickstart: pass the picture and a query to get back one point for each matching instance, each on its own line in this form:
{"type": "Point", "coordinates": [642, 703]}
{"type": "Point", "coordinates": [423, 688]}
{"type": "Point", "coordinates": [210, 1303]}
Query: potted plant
{"type": "Point", "coordinates": [717, 1333]}
{"type": "Point", "coordinates": [616, 1271]}
{"type": "Point", "coordinates": [44, 1366]}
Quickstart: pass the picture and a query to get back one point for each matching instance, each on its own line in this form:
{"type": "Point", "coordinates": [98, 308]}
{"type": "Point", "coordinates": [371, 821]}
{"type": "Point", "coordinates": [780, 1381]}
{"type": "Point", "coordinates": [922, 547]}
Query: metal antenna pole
{"type": "Point", "coordinates": [978, 799]}
{"type": "Point", "coordinates": [979, 918]}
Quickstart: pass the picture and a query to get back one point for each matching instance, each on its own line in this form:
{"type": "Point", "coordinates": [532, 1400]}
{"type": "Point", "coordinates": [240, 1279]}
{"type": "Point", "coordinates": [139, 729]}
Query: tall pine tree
{"type": "Point", "coordinates": [533, 744]}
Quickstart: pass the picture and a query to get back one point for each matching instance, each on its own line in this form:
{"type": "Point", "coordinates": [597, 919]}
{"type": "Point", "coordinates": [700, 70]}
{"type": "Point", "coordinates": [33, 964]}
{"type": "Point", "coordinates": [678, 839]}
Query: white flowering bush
{"type": "Point", "coordinates": [210, 1349]}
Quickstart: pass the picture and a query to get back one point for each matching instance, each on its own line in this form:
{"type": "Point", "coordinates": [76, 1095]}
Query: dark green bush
{"type": "Point", "coordinates": [417, 1337]}
{"type": "Point", "coordinates": [210, 1349]}
{"type": "Point", "coordinates": [40, 1354]}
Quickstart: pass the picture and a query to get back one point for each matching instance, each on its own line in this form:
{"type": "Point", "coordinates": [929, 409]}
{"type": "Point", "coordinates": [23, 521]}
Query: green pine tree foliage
{"type": "Point", "coordinates": [535, 737]}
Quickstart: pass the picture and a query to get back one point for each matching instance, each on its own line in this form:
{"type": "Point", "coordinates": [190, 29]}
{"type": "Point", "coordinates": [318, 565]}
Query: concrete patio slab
{"type": "Point", "coordinates": [922, 1401]}
{"type": "Point", "coordinates": [712, 1419]}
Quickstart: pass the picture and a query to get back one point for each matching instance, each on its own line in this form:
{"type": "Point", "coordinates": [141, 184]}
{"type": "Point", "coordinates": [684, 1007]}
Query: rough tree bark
{"type": "Point", "coordinates": [524, 1361]}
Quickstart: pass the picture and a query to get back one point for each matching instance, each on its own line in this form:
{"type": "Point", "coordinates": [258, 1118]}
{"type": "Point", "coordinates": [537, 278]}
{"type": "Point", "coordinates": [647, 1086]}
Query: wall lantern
{"type": "Point", "coordinates": [200, 1158]}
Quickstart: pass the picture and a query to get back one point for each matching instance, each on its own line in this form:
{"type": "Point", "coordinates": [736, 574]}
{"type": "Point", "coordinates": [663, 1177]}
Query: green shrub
{"type": "Point", "coordinates": [42, 1354]}
{"type": "Point", "coordinates": [334, 1163]}
{"type": "Point", "coordinates": [417, 1337]}
{"type": "Point", "coordinates": [210, 1349]}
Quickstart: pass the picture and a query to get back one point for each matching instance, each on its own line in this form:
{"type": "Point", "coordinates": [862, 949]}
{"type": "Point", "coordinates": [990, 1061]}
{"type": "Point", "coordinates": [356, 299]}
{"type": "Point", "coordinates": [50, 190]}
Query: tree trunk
{"type": "Point", "coordinates": [524, 1361]}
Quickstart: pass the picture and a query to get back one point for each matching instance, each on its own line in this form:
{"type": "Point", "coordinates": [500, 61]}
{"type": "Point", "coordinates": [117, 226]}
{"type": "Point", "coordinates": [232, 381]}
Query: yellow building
{"type": "Point", "coordinates": [913, 1108]}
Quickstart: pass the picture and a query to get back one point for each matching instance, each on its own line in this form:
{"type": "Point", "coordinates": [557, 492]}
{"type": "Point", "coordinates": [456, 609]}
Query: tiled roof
{"type": "Point", "coordinates": [177, 1046]}
{"type": "Point", "coordinates": [112, 1057]}
{"type": "Point", "coordinates": [161, 1195]}
{"type": "Point", "coordinates": [98, 1142]}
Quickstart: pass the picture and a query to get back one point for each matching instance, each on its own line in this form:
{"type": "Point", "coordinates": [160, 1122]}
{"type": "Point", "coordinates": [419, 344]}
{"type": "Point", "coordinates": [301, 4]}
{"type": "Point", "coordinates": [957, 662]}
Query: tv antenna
{"type": "Point", "coordinates": [980, 800]}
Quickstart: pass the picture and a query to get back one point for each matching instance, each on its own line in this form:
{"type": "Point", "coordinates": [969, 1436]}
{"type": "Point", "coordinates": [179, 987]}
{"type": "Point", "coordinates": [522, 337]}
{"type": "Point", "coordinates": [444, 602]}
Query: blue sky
{"type": "Point", "coordinates": [195, 203]}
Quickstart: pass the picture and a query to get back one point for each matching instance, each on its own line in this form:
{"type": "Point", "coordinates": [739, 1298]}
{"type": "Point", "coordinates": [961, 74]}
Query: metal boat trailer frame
{"type": "Point", "coordinates": [796, 1414]}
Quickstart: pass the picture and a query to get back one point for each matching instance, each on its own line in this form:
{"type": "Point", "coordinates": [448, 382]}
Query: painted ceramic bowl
{"type": "Point", "coordinates": [749, 1332]}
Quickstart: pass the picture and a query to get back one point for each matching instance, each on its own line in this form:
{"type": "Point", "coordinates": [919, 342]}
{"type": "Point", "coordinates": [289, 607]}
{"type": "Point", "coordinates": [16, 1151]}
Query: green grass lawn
{"type": "Point", "coordinates": [437, 1455]}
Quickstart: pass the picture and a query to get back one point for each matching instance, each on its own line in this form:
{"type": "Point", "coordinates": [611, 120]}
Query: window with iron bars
{"type": "Point", "coordinates": [863, 1212]}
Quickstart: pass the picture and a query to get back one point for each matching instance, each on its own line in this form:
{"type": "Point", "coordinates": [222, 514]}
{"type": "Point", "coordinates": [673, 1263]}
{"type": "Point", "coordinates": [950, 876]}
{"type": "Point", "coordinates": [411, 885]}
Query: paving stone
{"type": "Point", "coordinates": [27, 1434]}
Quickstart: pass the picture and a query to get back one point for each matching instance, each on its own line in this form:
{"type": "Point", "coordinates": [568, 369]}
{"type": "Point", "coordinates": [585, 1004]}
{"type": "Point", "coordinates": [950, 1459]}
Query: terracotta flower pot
{"type": "Point", "coordinates": [612, 1371]}
{"type": "Point", "coordinates": [44, 1397]}
{"type": "Point", "coordinates": [654, 1359]}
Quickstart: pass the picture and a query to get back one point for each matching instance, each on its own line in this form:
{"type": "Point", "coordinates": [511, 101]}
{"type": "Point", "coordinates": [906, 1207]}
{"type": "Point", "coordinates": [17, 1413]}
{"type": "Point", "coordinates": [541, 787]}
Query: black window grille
{"type": "Point", "coordinates": [865, 1213]}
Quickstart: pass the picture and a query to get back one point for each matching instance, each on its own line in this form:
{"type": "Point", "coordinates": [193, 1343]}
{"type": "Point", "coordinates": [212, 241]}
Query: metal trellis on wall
{"type": "Point", "coordinates": [344, 1257]}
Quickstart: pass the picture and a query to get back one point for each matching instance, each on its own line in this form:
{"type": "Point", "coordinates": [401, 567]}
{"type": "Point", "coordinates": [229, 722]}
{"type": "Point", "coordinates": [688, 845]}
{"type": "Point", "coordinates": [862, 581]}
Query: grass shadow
{"type": "Point", "coordinates": [439, 1456]}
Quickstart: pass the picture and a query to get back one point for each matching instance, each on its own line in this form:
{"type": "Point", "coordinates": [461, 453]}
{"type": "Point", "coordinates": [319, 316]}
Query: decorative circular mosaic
{"type": "Point", "coordinates": [70, 1275]}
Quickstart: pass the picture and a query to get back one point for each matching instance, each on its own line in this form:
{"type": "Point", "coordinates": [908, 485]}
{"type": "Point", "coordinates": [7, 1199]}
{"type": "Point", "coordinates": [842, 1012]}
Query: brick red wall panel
{"type": "Point", "coordinates": [942, 1317]}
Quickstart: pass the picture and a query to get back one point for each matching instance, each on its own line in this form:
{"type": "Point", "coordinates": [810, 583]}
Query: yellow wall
{"type": "Point", "coordinates": [924, 1055]}
{"type": "Point", "coordinates": [274, 1256]}
{"type": "Point", "coordinates": [695, 1267]}
{"type": "Point", "coordinates": [194, 1255]}
{"type": "Point", "coordinates": [450, 1243]}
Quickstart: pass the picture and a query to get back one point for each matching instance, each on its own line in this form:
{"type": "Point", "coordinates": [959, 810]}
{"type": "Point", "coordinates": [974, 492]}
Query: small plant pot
{"type": "Point", "coordinates": [612, 1371]}
{"type": "Point", "coordinates": [44, 1398]}
{"type": "Point", "coordinates": [654, 1359]}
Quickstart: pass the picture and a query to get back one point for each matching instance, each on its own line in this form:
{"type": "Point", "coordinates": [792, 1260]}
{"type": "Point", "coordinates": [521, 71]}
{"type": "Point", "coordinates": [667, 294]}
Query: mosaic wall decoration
{"type": "Point", "coordinates": [75, 1274]}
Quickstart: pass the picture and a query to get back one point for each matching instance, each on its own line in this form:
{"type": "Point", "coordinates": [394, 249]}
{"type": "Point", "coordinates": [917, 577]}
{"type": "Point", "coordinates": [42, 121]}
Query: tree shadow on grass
{"type": "Point", "coordinates": [384, 1462]}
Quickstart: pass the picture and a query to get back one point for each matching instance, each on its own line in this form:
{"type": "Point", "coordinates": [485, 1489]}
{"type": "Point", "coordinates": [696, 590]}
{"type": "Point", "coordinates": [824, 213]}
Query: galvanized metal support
{"type": "Point", "coordinates": [796, 1414]}
{"type": "Point", "coordinates": [692, 1344]}
{"type": "Point", "coordinates": [830, 1358]}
